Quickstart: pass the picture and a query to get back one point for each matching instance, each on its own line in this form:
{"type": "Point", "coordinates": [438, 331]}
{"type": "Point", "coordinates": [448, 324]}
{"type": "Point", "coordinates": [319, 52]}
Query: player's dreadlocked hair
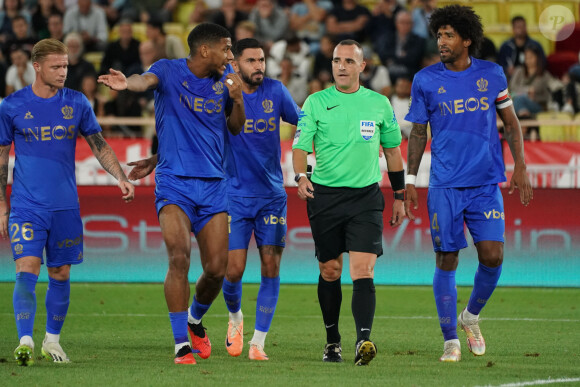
{"type": "Point", "coordinates": [463, 20]}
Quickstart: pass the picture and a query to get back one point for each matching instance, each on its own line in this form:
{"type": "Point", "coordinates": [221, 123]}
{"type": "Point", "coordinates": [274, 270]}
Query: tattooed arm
{"type": "Point", "coordinates": [110, 163]}
{"type": "Point", "coordinates": [515, 140]}
{"type": "Point", "coordinates": [4, 153]}
{"type": "Point", "coordinates": [415, 150]}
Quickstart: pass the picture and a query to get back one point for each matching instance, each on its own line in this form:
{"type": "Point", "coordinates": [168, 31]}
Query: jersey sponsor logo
{"type": "Point", "coordinates": [218, 87]}
{"type": "Point", "coordinates": [260, 126]}
{"type": "Point", "coordinates": [67, 112]}
{"type": "Point", "coordinates": [367, 129]}
{"type": "Point", "coordinates": [494, 214]}
{"type": "Point", "coordinates": [28, 116]}
{"type": "Point", "coordinates": [296, 137]}
{"type": "Point", "coordinates": [68, 243]}
{"type": "Point", "coordinates": [268, 106]}
{"type": "Point", "coordinates": [272, 220]}
{"type": "Point", "coordinates": [458, 106]}
{"type": "Point", "coordinates": [201, 105]}
{"type": "Point", "coordinates": [46, 133]}
{"type": "Point", "coordinates": [331, 107]}
{"type": "Point", "coordinates": [482, 84]}
{"type": "Point", "coordinates": [18, 248]}
{"type": "Point", "coordinates": [441, 90]}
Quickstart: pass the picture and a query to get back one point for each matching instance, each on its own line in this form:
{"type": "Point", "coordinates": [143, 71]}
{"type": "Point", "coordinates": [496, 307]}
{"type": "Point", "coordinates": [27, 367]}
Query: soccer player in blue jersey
{"type": "Point", "coordinates": [43, 121]}
{"type": "Point", "coordinates": [459, 98]}
{"type": "Point", "coordinates": [257, 198]}
{"type": "Point", "coordinates": [193, 96]}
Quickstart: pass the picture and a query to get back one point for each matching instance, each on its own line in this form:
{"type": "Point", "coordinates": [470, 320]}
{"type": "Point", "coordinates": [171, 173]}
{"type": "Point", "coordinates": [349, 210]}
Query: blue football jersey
{"type": "Point", "coordinates": [190, 120]}
{"type": "Point", "coordinates": [44, 132]}
{"type": "Point", "coordinates": [461, 110]}
{"type": "Point", "coordinates": [253, 157]}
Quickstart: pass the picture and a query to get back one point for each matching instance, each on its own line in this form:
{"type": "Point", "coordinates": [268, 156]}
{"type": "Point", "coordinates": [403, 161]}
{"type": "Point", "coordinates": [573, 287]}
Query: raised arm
{"type": "Point", "coordinates": [110, 163]}
{"type": "Point", "coordinates": [515, 140]}
{"type": "Point", "coordinates": [237, 116]}
{"type": "Point", "coordinates": [116, 80]}
{"type": "Point", "coordinates": [4, 212]}
{"type": "Point", "coordinates": [415, 150]}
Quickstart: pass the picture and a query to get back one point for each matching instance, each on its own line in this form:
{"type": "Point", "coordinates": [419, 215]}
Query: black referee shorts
{"type": "Point", "coordinates": [346, 219]}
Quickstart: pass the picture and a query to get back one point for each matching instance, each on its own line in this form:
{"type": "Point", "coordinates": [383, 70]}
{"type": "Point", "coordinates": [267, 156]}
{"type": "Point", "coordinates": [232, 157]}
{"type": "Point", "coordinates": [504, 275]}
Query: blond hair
{"type": "Point", "coordinates": [46, 47]}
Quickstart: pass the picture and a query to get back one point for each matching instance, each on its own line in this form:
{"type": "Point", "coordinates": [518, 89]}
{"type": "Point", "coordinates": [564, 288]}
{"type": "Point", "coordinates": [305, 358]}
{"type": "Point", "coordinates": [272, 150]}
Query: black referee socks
{"type": "Point", "coordinates": [363, 307]}
{"type": "Point", "coordinates": [330, 299]}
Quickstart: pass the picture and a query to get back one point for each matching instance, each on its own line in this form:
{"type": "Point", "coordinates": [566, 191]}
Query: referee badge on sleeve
{"type": "Point", "coordinates": [367, 129]}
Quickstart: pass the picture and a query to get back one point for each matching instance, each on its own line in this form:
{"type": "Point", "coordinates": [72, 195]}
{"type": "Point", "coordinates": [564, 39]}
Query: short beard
{"type": "Point", "coordinates": [250, 82]}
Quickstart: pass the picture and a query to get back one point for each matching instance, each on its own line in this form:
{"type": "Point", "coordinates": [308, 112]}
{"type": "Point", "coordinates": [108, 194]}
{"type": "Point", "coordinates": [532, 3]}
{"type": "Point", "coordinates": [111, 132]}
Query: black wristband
{"type": "Point", "coordinates": [397, 180]}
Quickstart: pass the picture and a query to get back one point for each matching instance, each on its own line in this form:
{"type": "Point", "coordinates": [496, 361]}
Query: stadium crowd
{"type": "Point", "coordinates": [298, 38]}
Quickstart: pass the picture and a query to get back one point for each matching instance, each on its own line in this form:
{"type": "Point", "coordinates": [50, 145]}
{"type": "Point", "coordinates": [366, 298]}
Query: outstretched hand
{"type": "Point", "coordinates": [141, 168]}
{"type": "Point", "coordinates": [116, 80]}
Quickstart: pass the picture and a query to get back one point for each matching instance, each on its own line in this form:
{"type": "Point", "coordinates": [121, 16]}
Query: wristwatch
{"type": "Point", "coordinates": [299, 176]}
{"type": "Point", "coordinates": [400, 195]}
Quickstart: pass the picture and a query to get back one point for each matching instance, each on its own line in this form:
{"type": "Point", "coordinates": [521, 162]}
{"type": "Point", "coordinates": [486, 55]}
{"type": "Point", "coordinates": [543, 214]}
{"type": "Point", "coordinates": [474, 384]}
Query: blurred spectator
{"type": "Point", "coordinates": [271, 22]}
{"type": "Point", "coordinates": [40, 17]}
{"type": "Point", "coordinates": [400, 102]}
{"type": "Point", "coordinates": [403, 57]}
{"type": "Point", "coordinates": [89, 88]}
{"type": "Point", "coordinates": [296, 83]}
{"type": "Point", "coordinates": [166, 46]}
{"type": "Point", "coordinates": [292, 48]}
{"type": "Point", "coordinates": [245, 30]}
{"type": "Point", "coordinates": [21, 73]}
{"type": "Point", "coordinates": [322, 67]}
{"type": "Point", "coordinates": [421, 16]}
{"type": "Point", "coordinates": [90, 22]}
{"type": "Point", "coordinates": [116, 10]}
{"type": "Point", "coordinates": [530, 84]}
{"type": "Point", "coordinates": [11, 9]}
{"type": "Point", "coordinates": [160, 9]}
{"type": "Point", "coordinates": [21, 37]}
{"type": "Point", "coordinates": [511, 52]}
{"type": "Point", "coordinates": [123, 104]}
{"type": "Point", "coordinates": [349, 20]}
{"type": "Point", "coordinates": [487, 50]}
{"type": "Point", "coordinates": [123, 53]}
{"type": "Point", "coordinates": [56, 27]}
{"type": "Point", "coordinates": [307, 21]}
{"type": "Point", "coordinates": [228, 16]}
{"type": "Point", "coordinates": [382, 25]}
{"type": "Point", "coordinates": [78, 67]}
{"type": "Point", "coordinates": [375, 76]}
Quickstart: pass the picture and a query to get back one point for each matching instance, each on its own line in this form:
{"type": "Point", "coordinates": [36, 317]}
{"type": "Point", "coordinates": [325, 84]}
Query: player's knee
{"type": "Point", "coordinates": [270, 268]}
{"type": "Point", "coordinates": [362, 272]}
{"type": "Point", "coordinates": [61, 273]}
{"type": "Point", "coordinates": [493, 259]}
{"type": "Point", "coordinates": [179, 262]}
{"type": "Point", "coordinates": [330, 273]}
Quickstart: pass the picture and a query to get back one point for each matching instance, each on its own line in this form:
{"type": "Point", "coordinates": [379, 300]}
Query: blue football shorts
{"type": "Point", "coordinates": [266, 217]}
{"type": "Point", "coordinates": [478, 208]}
{"type": "Point", "coordinates": [199, 198]}
{"type": "Point", "coordinates": [59, 232]}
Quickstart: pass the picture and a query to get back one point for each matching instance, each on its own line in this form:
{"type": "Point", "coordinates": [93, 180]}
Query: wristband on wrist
{"type": "Point", "coordinates": [397, 180]}
{"type": "Point", "coordinates": [411, 179]}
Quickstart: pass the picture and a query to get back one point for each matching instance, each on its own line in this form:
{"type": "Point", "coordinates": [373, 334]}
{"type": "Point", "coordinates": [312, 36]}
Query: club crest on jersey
{"type": "Point", "coordinates": [367, 129]}
{"type": "Point", "coordinates": [218, 87]}
{"type": "Point", "coordinates": [268, 106]}
{"type": "Point", "coordinates": [67, 112]}
{"type": "Point", "coordinates": [482, 85]}
{"type": "Point", "coordinates": [441, 90]}
{"type": "Point", "coordinates": [18, 248]}
{"type": "Point", "coordinates": [28, 116]}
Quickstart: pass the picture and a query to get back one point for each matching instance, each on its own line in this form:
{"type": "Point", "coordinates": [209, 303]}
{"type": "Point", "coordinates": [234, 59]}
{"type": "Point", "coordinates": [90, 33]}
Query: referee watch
{"type": "Point", "coordinates": [400, 195]}
{"type": "Point", "coordinates": [299, 176]}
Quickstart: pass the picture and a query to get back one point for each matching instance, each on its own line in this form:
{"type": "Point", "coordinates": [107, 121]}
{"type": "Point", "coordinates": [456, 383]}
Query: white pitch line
{"type": "Point", "coordinates": [525, 319]}
{"type": "Point", "coordinates": [537, 382]}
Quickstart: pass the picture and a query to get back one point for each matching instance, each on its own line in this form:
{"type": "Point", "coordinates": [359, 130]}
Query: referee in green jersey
{"type": "Point", "coordinates": [345, 125]}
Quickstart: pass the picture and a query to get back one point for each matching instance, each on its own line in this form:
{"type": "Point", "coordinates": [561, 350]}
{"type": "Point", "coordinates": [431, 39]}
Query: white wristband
{"type": "Point", "coordinates": [411, 179]}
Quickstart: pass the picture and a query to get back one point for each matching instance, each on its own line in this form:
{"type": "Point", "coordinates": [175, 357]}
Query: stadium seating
{"type": "Point", "coordinates": [558, 132]}
{"type": "Point", "coordinates": [183, 11]}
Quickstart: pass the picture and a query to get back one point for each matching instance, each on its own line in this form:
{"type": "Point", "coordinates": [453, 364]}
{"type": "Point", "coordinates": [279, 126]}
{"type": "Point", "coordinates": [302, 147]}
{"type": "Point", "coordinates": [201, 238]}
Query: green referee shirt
{"type": "Point", "coordinates": [345, 131]}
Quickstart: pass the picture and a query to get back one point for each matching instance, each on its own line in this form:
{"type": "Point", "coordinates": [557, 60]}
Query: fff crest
{"type": "Point", "coordinates": [482, 84]}
{"type": "Point", "coordinates": [218, 87]}
{"type": "Point", "coordinates": [67, 112]}
{"type": "Point", "coordinates": [268, 106]}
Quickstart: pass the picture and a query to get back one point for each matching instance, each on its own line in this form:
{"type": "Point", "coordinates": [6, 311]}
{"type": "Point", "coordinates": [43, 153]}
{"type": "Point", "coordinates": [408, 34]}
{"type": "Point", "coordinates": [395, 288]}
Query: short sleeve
{"type": "Point", "coordinates": [390, 131]}
{"type": "Point", "coordinates": [88, 124]}
{"type": "Point", "coordinates": [417, 105]}
{"type": "Point", "coordinates": [306, 128]}
{"type": "Point", "coordinates": [289, 111]}
{"type": "Point", "coordinates": [6, 131]}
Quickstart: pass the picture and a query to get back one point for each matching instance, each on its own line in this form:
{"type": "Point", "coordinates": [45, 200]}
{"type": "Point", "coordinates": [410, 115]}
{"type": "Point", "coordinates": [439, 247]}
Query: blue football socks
{"type": "Point", "coordinates": [24, 302]}
{"type": "Point", "coordinates": [179, 326]}
{"type": "Point", "coordinates": [446, 301]}
{"type": "Point", "coordinates": [266, 303]}
{"type": "Point", "coordinates": [232, 295]}
{"type": "Point", "coordinates": [486, 279]}
{"type": "Point", "coordinates": [57, 302]}
{"type": "Point", "coordinates": [197, 310]}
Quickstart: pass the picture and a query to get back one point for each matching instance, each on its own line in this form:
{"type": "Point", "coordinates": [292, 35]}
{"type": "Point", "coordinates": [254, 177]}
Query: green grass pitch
{"type": "Point", "coordinates": [119, 335]}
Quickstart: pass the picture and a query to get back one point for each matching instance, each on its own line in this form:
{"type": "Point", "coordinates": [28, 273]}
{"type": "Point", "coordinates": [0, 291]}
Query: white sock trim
{"type": "Point", "coordinates": [237, 317]}
{"type": "Point", "coordinates": [456, 342]}
{"type": "Point", "coordinates": [259, 337]}
{"type": "Point", "coordinates": [191, 319]}
{"type": "Point", "coordinates": [469, 316]}
{"type": "Point", "coordinates": [51, 338]}
{"type": "Point", "coordinates": [180, 345]}
{"type": "Point", "coordinates": [27, 340]}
